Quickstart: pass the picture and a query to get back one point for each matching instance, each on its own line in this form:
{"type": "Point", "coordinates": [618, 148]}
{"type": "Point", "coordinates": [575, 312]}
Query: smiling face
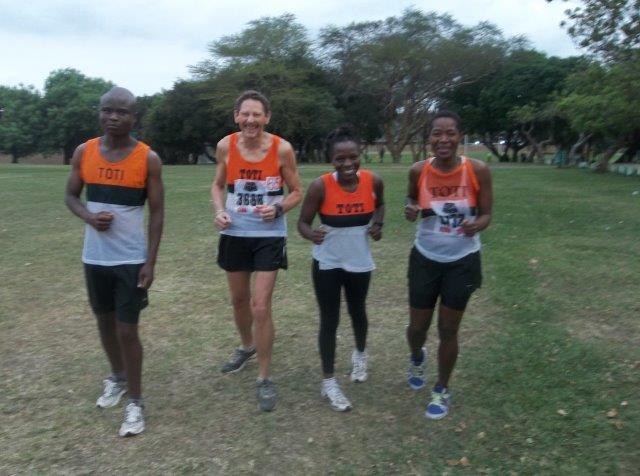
{"type": "Point", "coordinates": [117, 113]}
{"type": "Point", "coordinates": [251, 118]}
{"type": "Point", "coordinates": [444, 138]}
{"type": "Point", "coordinates": [345, 157]}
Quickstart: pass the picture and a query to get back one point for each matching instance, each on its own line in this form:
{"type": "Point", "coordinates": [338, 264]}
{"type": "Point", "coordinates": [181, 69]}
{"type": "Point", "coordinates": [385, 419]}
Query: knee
{"type": "Point", "coordinates": [261, 310]}
{"type": "Point", "coordinates": [328, 325]}
{"type": "Point", "coordinates": [418, 326]}
{"type": "Point", "coordinates": [448, 333]}
{"type": "Point", "coordinates": [239, 301]}
{"type": "Point", "coordinates": [127, 334]}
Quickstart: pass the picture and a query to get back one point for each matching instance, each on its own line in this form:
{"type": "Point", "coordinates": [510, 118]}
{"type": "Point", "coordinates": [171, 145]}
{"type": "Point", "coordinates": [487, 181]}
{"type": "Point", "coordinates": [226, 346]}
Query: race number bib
{"type": "Point", "coordinates": [249, 194]}
{"type": "Point", "coordinates": [449, 216]}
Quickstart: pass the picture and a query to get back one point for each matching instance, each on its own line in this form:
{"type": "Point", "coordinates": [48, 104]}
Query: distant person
{"type": "Point", "coordinates": [250, 206]}
{"type": "Point", "coordinates": [350, 204]}
{"type": "Point", "coordinates": [381, 152]}
{"type": "Point", "coordinates": [453, 197]}
{"type": "Point", "coordinates": [120, 174]}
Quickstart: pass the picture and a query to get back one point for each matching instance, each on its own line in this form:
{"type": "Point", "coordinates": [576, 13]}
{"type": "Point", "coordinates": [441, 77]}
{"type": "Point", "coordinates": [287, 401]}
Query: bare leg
{"type": "Point", "coordinates": [448, 324]}
{"type": "Point", "coordinates": [109, 340]}
{"type": "Point", "coordinates": [419, 322]}
{"type": "Point", "coordinates": [263, 323]}
{"type": "Point", "coordinates": [239, 287]}
{"type": "Point", "coordinates": [132, 356]}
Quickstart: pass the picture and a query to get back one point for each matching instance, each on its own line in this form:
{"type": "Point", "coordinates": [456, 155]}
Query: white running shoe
{"type": "Point", "coordinates": [113, 391]}
{"type": "Point", "coordinates": [359, 362]}
{"type": "Point", "coordinates": [332, 391]}
{"type": "Point", "coordinates": [133, 423]}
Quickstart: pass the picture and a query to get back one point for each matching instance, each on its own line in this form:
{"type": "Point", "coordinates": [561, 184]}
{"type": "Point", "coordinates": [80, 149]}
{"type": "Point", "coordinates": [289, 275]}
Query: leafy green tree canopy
{"type": "Point", "coordinates": [21, 122]}
{"type": "Point", "coordinates": [403, 65]}
{"type": "Point", "coordinates": [273, 56]}
{"type": "Point", "coordinates": [71, 109]}
{"type": "Point", "coordinates": [608, 28]}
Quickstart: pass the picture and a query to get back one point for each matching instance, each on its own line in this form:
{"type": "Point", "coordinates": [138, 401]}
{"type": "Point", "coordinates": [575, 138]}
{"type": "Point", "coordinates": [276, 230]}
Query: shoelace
{"type": "Point", "coordinates": [438, 399]}
{"type": "Point", "coordinates": [267, 389]}
{"type": "Point", "coordinates": [336, 395]}
{"type": "Point", "coordinates": [110, 387]}
{"type": "Point", "coordinates": [359, 364]}
{"type": "Point", "coordinates": [133, 413]}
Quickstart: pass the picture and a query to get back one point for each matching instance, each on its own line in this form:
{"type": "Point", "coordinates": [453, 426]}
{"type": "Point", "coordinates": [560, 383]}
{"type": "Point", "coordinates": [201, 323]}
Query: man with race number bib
{"type": "Point", "coordinates": [253, 168]}
{"type": "Point", "coordinates": [453, 196]}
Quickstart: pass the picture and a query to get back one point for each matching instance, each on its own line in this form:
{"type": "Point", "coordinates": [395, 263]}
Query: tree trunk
{"type": "Point", "coordinates": [582, 140]}
{"type": "Point", "coordinates": [394, 150]}
{"type": "Point", "coordinates": [603, 163]}
{"type": "Point", "coordinates": [633, 148]}
{"type": "Point", "coordinates": [536, 147]}
{"type": "Point", "coordinates": [488, 143]}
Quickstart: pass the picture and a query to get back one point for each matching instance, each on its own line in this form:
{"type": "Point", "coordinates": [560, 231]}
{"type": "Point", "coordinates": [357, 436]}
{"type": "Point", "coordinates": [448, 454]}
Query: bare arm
{"type": "Point", "coordinates": [219, 186]}
{"type": "Point", "coordinates": [155, 199]}
{"type": "Point", "coordinates": [289, 172]}
{"type": "Point", "coordinates": [485, 200]}
{"type": "Point", "coordinates": [375, 231]}
{"type": "Point", "coordinates": [412, 208]}
{"type": "Point", "coordinates": [100, 221]}
{"type": "Point", "coordinates": [310, 207]}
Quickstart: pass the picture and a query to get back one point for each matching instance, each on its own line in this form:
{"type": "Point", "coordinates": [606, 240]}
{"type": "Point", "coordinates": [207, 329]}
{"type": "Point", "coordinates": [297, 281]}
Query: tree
{"type": "Point", "coordinates": [603, 102]}
{"type": "Point", "coordinates": [273, 56]}
{"type": "Point", "coordinates": [179, 123]}
{"type": "Point", "coordinates": [403, 65]}
{"type": "Point", "coordinates": [21, 122]}
{"type": "Point", "coordinates": [610, 29]}
{"type": "Point", "coordinates": [514, 103]}
{"type": "Point", "coordinates": [71, 102]}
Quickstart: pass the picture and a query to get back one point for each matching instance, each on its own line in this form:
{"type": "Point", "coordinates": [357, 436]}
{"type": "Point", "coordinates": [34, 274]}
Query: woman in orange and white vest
{"type": "Point", "coordinates": [452, 197]}
{"type": "Point", "coordinates": [350, 204]}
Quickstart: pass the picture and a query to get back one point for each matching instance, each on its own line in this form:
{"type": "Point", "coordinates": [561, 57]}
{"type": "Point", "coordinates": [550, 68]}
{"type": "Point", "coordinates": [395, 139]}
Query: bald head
{"type": "Point", "coordinates": [117, 111]}
{"type": "Point", "coordinates": [120, 95]}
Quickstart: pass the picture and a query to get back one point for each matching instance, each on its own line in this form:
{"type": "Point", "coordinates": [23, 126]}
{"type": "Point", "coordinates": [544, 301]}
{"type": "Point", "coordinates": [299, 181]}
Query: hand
{"type": "Point", "coordinates": [145, 276]}
{"type": "Point", "coordinates": [318, 235]}
{"type": "Point", "coordinates": [101, 221]}
{"type": "Point", "coordinates": [411, 211]}
{"type": "Point", "coordinates": [375, 231]}
{"type": "Point", "coordinates": [222, 220]}
{"type": "Point", "coordinates": [470, 228]}
{"type": "Point", "coordinates": [267, 212]}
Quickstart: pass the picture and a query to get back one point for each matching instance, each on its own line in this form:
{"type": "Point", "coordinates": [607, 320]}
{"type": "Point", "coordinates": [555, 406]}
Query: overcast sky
{"type": "Point", "coordinates": [145, 45]}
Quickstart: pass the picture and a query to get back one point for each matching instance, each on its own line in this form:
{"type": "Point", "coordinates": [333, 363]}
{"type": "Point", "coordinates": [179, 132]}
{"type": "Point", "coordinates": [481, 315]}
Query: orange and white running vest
{"type": "Point", "coordinates": [249, 185]}
{"type": "Point", "coordinates": [446, 200]}
{"type": "Point", "coordinates": [120, 188]}
{"type": "Point", "coordinates": [345, 216]}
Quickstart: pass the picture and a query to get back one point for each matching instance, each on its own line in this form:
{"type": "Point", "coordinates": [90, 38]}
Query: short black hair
{"type": "Point", "coordinates": [256, 96]}
{"type": "Point", "coordinates": [343, 133]}
{"type": "Point", "coordinates": [448, 114]}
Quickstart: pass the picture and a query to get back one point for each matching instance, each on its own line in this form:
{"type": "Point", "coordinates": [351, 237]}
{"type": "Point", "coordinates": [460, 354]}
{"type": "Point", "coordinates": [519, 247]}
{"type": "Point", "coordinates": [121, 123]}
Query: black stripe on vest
{"type": "Point", "coordinates": [231, 188]}
{"type": "Point", "coordinates": [116, 194]}
{"type": "Point", "coordinates": [343, 221]}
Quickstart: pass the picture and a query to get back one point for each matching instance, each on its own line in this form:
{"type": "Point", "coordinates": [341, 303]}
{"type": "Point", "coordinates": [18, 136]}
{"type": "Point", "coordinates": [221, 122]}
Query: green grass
{"type": "Point", "coordinates": [549, 345]}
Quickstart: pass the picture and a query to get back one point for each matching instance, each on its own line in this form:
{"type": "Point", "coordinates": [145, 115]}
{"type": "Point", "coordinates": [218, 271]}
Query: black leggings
{"type": "Point", "coordinates": [327, 285]}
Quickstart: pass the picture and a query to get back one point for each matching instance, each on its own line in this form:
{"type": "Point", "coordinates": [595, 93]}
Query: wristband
{"type": "Point", "coordinates": [279, 210]}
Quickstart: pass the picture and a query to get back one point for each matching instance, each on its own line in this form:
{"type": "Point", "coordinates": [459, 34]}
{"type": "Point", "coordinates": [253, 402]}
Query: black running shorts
{"type": "Point", "coordinates": [239, 253]}
{"type": "Point", "coordinates": [115, 288]}
{"type": "Point", "coordinates": [453, 282]}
